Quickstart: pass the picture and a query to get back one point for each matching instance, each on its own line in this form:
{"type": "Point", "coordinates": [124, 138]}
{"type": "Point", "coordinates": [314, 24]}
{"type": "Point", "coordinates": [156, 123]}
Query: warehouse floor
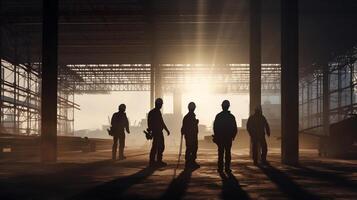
{"type": "Point", "coordinates": [94, 176]}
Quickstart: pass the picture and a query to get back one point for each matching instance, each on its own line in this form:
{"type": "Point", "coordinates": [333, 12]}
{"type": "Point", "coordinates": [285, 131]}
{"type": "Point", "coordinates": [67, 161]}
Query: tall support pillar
{"type": "Point", "coordinates": [155, 77]}
{"type": "Point", "coordinates": [158, 80]}
{"type": "Point", "coordinates": [339, 94]}
{"type": "Point", "coordinates": [1, 72]}
{"type": "Point", "coordinates": [49, 82]}
{"type": "Point", "coordinates": [152, 86]}
{"type": "Point", "coordinates": [289, 83]}
{"type": "Point", "coordinates": [149, 13]}
{"type": "Point", "coordinates": [255, 55]}
{"type": "Point", "coordinates": [326, 100]}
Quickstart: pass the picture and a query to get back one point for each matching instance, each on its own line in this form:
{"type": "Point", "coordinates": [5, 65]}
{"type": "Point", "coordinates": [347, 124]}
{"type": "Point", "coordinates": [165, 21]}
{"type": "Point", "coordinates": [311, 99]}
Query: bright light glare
{"type": "Point", "coordinates": [198, 85]}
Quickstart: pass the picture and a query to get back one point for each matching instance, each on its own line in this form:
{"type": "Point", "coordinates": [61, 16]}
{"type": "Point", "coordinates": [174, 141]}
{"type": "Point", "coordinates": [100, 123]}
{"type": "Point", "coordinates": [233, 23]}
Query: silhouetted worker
{"type": "Point", "coordinates": [156, 125]}
{"type": "Point", "coordinates": [190, 131]}
{"type": "Point", "coordinates": [225, 130]}
{"type": "Point", "coordinates": [119, 122]}
{"type": "Point", "coordinates": [257, 127]}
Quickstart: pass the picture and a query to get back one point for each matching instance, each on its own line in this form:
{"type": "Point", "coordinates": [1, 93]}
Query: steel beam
{"type": "Point", "coordinates": [289, 83]}
{"type": "Point", "coordinates": [49, 82]}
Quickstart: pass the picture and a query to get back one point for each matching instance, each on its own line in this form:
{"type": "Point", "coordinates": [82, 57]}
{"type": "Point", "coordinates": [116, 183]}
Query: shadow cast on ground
{"type": "Point", "coordinates": [286, 184]}
{"type": "Point", "coordinates": [178, 186]}
{"type": "Point", "coordinates": [231, 189]}
{"type": "Point", "coordinates": [115, 188]}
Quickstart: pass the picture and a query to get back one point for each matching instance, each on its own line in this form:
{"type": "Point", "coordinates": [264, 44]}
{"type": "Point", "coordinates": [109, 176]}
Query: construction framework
{"type": "Point", "coordinates": [19, 98]}
{"type": "Point", "coordinates": [226, 78]}
{"type": "Point", "coordinates": [341, 74]}
{"type": "Point", "coordinates": [20, 101]}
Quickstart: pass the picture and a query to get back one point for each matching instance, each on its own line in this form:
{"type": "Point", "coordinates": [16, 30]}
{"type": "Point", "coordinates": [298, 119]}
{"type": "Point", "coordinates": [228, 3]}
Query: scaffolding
{"type": "Point", "coordinates": [342, 93]}
{"type": "Point", "coordinates": [20, 100]}
{"type": "Point", "coordinates": [224, 78]}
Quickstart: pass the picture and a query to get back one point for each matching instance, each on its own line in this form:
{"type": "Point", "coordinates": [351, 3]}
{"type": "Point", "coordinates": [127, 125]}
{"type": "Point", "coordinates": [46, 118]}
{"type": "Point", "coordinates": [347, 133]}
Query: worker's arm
{"type": "Point", "coordinates": [127, 124]}
{"type": "Point", "coordinates": [235, 129]}
{"type": "Point", "coordinates": [165, 127]}
{"type": "Point", "coordinates": [183, 128]}
{"type": "Point", "coordinates": [215, 123]}
{"type": "Point", "coordinates": [267, 128]}
{"type": "Point", "coordinates": [112, 120]}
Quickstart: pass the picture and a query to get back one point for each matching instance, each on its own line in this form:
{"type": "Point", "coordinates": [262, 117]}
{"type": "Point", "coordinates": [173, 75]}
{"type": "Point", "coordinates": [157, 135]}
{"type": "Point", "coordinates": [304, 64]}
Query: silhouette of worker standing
{"type": "Point", "coordinates": [156, 125]}
{"type": "Point", "coordinates": [190, 131]}
{"type": "Point", "coordinates": [119, 122]}
{"type": "Point", "coordinates": [225, 130]}
{"type": "Point", "coordinates": [257, 127]}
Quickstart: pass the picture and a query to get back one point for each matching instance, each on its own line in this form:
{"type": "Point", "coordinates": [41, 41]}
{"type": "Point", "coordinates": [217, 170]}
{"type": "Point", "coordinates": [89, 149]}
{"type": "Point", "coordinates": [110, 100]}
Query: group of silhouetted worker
{"type": "Point", "coordinates": [224, 128]}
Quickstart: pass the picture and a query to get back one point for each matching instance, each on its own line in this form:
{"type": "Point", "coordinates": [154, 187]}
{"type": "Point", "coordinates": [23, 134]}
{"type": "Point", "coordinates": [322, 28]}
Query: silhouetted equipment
{"type": "Point", "coordinates": [342, 141]}
{"type": "Point", "coordinates": [148, 134]}
{"type": "Point", "coordinates": [110, 131]}
{"type": "Point", "coordinates": [179, 155]}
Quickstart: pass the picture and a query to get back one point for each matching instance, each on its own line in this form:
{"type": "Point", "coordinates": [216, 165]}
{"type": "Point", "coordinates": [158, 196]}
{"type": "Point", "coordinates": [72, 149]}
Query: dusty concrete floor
{"type": "Point", "coordinates": [94, 176]}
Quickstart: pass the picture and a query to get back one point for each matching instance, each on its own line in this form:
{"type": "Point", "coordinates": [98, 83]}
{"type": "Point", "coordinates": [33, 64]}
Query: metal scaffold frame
{"type": "Point", "coordinates": [232, 78]}
{"type": "Point", "coordinates": [21, 88]}
{"type": "Point", "coordinates": [20, 101]}
{"type": "Point", "coordinates": [342, 93]}
{"type": "Point", "coordinates": [19, 98]}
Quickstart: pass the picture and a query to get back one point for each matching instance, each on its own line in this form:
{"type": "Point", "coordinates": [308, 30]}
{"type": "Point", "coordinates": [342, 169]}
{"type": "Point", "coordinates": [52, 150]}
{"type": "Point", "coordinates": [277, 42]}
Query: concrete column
{"type": "Point", "coordinates": [152, 86]}
{"type": "Point", "coordinates": [1, 73]}
{"type": "Point", "coordinates": [289, 82]}
{"type": "Point", "coordinates": [326, 100]}
{"type": "Point", "coordinates": [255, 55]}
{"type": "Point", "coordinates": [49, 82]}
{"type": "Point", "coordinates": [339, 94]}
{"type": "Point", "coordinates": [155, 84]}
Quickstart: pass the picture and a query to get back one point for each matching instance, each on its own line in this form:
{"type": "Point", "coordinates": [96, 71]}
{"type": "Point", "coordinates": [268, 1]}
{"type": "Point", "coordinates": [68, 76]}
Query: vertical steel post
{"type": "Point", "coordinates": [255, 55]}
{"type": "Point", "coordinates": [326, 100]}
{"type": "Point", "coordinates": [49, 82]}
{"type": "Point", "coordinates": [289, 82]}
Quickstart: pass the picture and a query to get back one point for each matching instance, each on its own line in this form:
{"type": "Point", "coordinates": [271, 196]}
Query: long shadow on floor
{"type": "Point", "coordinates": [178, 186]}
{"type": "Point", "coordinates": [321, 174]}
{"type": "Point", "coordinates": [46, 184]}
{"type": "Point", "coordinates": [231, 189]}
{"type": "Point", "coordinates": [286, 184]}
{"type": "Point", "coordinates": [115, 188]}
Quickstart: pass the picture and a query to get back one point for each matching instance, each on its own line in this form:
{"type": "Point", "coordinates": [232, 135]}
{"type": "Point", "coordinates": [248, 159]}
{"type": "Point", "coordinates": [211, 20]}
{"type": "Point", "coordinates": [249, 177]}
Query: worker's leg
{"type": "Point", "coordinates": [115, 146]}
{"type": "Point", "coordinates": [121, 145]}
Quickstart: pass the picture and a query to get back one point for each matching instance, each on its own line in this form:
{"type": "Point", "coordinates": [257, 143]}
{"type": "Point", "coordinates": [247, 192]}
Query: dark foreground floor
{"type": "Point", "coordinates": [93, 176]}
